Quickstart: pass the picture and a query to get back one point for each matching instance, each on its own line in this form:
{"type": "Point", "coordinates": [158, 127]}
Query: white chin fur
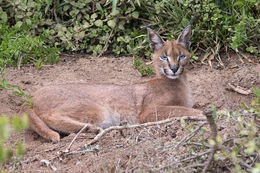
{"type": "Point", "coordinates": [168, 76]}
{"type": "Point", "coordinates": [172, 77]}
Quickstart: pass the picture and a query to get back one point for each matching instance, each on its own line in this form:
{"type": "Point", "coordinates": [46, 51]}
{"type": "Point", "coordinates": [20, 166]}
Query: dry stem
{"type": "Point", "coordinates": [103, 132]}
{"type": "Point", "coordinates": [213, 128]}
{"type": "Point", "coordinates": [83, 128]}
{"type": "Point", "coordinates": [188, 137]}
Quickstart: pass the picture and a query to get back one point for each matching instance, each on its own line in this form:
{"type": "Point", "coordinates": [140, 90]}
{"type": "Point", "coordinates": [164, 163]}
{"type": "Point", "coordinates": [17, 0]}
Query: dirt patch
{"type": "Point", "coordinates": [140, 149]}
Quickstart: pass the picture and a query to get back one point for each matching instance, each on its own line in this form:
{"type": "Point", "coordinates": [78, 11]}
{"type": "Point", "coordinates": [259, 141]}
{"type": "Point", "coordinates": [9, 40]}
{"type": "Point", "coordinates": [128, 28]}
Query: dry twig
{"type": "Point", "coordinates": [184, 160]}
{"type": "Point", "coordinates": [54, 11]}
{"type": "Point", "coordinates": [213, 128]}
{"type": "Point", "coordinates": [68, 148]}
{"type": "Point", "coordinates": [239, 89]}
{"type": "Point", "coordinates": [31, 159]}
{"type": "Point", "coordinates": [106, 44]}
{"type": "Point", "coordinates": [188, 137]}
{"type": "Point", "coordinates": [103, 132]}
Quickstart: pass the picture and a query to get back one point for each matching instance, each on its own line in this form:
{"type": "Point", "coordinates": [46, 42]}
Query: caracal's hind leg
{"type": "Point", "coordinates": [163, 112]}
{"type": "Point", "coordinates": [38, 125]}
{"type": "Point", "coordinates": [66, 124]}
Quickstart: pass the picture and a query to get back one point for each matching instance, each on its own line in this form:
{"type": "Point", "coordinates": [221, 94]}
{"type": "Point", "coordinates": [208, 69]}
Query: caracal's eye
{"type": "Point", "coordinates": [181, 57]}
{"type": "Point", "coordinates": [164, 58]}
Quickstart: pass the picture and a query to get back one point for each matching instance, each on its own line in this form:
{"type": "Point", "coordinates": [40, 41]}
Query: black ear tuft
{"type": "Point", "coordinates": [184, 37]}
{"type": "Point", "coordinates": [156, 42]}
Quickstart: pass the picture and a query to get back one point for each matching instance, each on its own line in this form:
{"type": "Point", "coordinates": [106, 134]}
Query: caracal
{"type": "Point", "coordinates": [67, 108]}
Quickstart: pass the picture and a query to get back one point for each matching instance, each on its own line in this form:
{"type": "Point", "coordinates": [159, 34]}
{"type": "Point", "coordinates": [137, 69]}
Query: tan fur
{"type": "Point", "coordinates": [66, 108]}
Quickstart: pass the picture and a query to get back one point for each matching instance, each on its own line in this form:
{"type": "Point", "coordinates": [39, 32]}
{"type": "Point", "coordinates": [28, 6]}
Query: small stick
{"type": "Point", "coordinates": [68, 148]}
{"type": "Point", "coordinates": [31, 159]}
{"type": "Point", "coordinates": [54, 11]}
{"type": "Point", "coordinates": [194, 157]}
{"type": "Point", "coordinates": [194, 165]}
{"type": "Point", "coordinates": [103, 132]}
{"type": "Point", "coordinates": [213, 128]}
{"type": "Point", "coordinates": [184, 160]}
{"type": "Point", "coordinates": [106, 44]}
{"type": "Point", "coordinates": [50, 149]}
{"type": "Point", "coordinates": [188, 137]}
{"type": "Point", "coordinates": [196, 143]}
{"type": "Point", "coordinates": [77, 152]}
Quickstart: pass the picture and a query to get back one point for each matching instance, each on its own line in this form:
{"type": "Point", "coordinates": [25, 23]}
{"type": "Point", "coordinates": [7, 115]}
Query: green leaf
{"type": "Point", "coordinates": [81, 34]}
{"type": "Point", "coordinates": [38, 63]}
{"type": "Point", "coordinates": [24, 122]}
{"type": "Point", "coordinates": [16, 123]}
{"type": "Point", "coordinates": [257, 92]}
{"type": "Point", "coordinates": [94, 16]}
{"type": "Point", "coordinates": [138, 2]}
{"type": "Point", "coordinates": [66, 7]}
{"type": "Point", "coordinates": [99, 22]}
{"type": "Point", "coordinates": [135, 14]}
{"type": "Point", "coordinates": [111, 23]}
{"type": "Point", "coordinates": [28, 21]}
{"type": "Point", "coordinates": [86, 25]}
{"type": "Point", "coordinates": [98, 6]}
{"type": "Point", "coordinates": [91, 148]}
{"type": "Point", "coordinates": [4, 127]}
{"type": "Point", "coordinates": [20, 150]}
{"type": "Point", "coordinates": [17, 93]}
{"type": "Point", "coordinates": [20, 124]}
{"type": "Point", "coordinates": [3, 154]}
{"type": "Point", "coordinates": [19, 24]}
{"type": "Point", "coordinates": [114, 4]}
{"type": "Point", "coordinates": [4, 17]}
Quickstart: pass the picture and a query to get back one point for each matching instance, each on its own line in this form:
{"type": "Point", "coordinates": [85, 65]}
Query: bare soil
{"type": "Point", "coordinates": [138, 149]}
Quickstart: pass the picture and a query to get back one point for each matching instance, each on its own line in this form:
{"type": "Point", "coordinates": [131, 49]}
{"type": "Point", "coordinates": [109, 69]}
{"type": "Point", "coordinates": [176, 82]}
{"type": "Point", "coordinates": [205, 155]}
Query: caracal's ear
{"type": "Point", "coordinates": [156, 42]}
{"type": "Point", "coordinates": [184, 37]}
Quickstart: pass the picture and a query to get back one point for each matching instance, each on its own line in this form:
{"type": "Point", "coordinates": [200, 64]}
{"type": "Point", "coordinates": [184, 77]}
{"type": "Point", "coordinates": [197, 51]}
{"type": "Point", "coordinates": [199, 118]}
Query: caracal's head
{"type": "Point", "coordinates": [170, 57]}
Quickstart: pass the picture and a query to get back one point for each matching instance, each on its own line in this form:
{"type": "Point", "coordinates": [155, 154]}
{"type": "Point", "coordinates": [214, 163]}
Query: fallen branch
{"type": "Point", "coordinates": [213, 128]}
{"type": "Point", "coordinates": [103, 132]}
{"type": "Point", "coordinates": [239, 89]}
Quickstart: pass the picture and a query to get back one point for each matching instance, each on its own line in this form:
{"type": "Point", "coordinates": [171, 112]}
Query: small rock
{"type": "Point", "coordinates": [26, 82]}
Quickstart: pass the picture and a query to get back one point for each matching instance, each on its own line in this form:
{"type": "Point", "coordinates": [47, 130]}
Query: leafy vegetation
{"type": "Point", "coordinates": [239, 152]}
{"type": "Point", "coordinates": [144, 71]}
{"type": "Point", "coordinates": [16, 90]}
{"type": "Point", "coordinates": [243, 154]}
{"type": "Point", "coordinates": [35, 31]}
{"type": "Point", "coordinates": [18, 47]}
{"type": "Point", "coordinates": [116, 26]}
{"type": "Point", "coordinates": [6, 127]}
{"type": "Point", "coordinates": [247, 142]}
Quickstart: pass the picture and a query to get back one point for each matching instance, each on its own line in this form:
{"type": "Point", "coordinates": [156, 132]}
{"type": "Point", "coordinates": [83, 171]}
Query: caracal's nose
{"type": "Point", "coordinates": [174, 68]}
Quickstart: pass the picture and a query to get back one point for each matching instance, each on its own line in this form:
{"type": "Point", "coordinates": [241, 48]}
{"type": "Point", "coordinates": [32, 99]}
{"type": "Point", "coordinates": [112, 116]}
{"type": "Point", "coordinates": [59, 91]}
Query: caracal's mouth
{"type": "Point", "coordinates": [170, 76]}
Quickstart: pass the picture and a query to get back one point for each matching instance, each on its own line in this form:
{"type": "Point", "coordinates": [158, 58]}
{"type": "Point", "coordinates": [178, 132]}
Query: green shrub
{"type": "Point", "coordinates": [18, 47]}
{"type": "Point", "coordinates": [243, 154]}
{"type": "Point", "coordinates": [116, 26]}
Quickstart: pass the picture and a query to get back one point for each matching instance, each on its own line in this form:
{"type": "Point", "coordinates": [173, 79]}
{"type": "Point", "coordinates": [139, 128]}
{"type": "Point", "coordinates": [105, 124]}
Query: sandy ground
{"type": "Point", "coordinates": [117, 153]}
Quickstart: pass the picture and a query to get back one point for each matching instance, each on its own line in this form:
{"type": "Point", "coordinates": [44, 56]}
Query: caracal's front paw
{"type": "Point", "coordinates": [54, 137]}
